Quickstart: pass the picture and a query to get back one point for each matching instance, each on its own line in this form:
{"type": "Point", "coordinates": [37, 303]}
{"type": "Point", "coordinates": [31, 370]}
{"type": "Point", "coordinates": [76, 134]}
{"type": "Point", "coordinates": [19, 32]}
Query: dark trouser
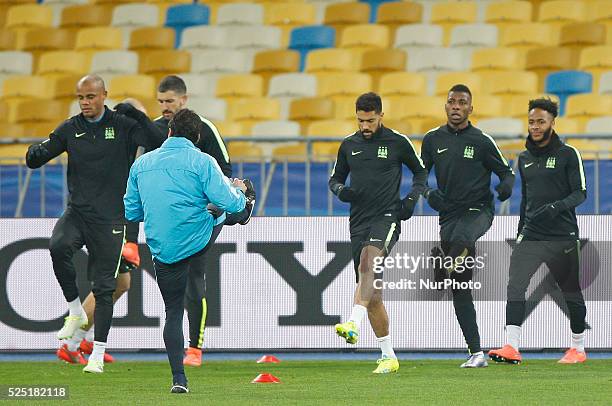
{"type": "Point", "coordinates": [458, 235]}
{"type": "Point", "coordinates": [172, 281]}
{"type": "Point", "coordinates": [104, 243]}
{"type": "Point", "coordinates": [195, 298]}
{"type": "Point", "coordinates": [563, 261]}
{"type": "Point", "coordinates": [131, 233]}
{"type": "Point", "coordinates": [382, 233]}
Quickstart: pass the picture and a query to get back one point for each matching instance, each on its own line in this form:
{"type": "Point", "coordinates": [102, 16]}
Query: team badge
{"type": "Point", "coordinates": [550, 162]}
{"type": "Point", "coordinates": [109, 133]}
{"type": "Point", "coordinates": [468, 152]}
{"type": "Point", "coordinates": [383, 152]}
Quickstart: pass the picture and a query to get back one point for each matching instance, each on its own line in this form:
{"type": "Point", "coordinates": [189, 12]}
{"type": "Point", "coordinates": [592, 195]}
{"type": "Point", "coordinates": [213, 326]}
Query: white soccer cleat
{"type": "Point", "coordinates": [94, 367]}
{"type": "Point", "coordinates": [71, 325]}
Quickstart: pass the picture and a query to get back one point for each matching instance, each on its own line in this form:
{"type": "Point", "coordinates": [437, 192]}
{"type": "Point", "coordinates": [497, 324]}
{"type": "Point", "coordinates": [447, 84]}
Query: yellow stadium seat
{"type": "Point", "coordinates": [33, 111]}
{"type": "Point", "coordinates": [394, 107]}
{"type": "Point", "coordinates": [3, 11]}
{"type": "Point", "coordinates": [379, 62]}
{"type": "Point", "coordinates": [47, 39]}
{"type": "Point", "coordinates": [589, 149]}
{"type": "Point", "coordinates": [63, 87]}
{"type": "Point", "coordinates": [343, 84]}
{"type": "Point", "coordinates": [288, 16]}
{"type": "Point", "coordinates": [596, 60]}
{"type": "Point", "coordinates": [273, 62]}
{"type": "Point", "coordinates": [19, 87]}
{"type": "Point", "coordinates": [40, 129]}
{"type": "Point", "coordinates": [543, 61]}
{"type": "Point", "coordinates": [424, 112]}
{"type": "Point", "coordinates": [113, 2]}
{"type": "Point", "coordinates": [63, 63]}
{"type": "Point", "coordinates": [29, 16]}
{"type": "Point", "coordinates": [494, 59]}
{"type": "Point", "coordinates": [340, 15]}
{"type": "Point", "coordinates": [559, 12]}
{"type": "Point", "coordinates": [325, 151]}
{"type": "Point", "coordinates": [7, 40]}
{"type": "Point", "coordinates": [236, 86]}
{"type": "Point", "coordinates": [365, 36]}
{"type": "Point", "coordinates": [152, 39]}
{"type": "Point", "coordinates": [582, 35]}
{"type": "Point", "coordinates": [423, 126]}
{"type": "Point", "coordinates": [4, 111]}
{"type": "Point", "coordinates": [136, 86]}
{"type": "Point", "coordinates": [564, 125]}
{"type": "Point", "coordinates": [252, 110]}
{"type": "Point", "coordinates": [166, 62]}
{"type": "Point", "coordinates": [403, 84]}
{"type": "Point", "coordinates": [448, 14]}
{"type": "Point", "coordinates": [583, 107]}
{"type": "Point", "coordinates": [503, 13]}
{"type": "Point", "coordinates": [486, 106]}
{"type": "Point", "coordinates": [244, 151]}
{"type": "Point", "coordinates": [309, 109]}
{"type": "Point", "coordinates": [332, 60]}
{"type": "Point", "coordinates": [446, 80]}
{"type": "Point", "coordinates": [509, 82]}
{"type": "Point", "coordinates": [230, 129]}
{"type": "Point", "coordinates": [395, 14]}
{"type": "Point", "coordinates": [401, 126]}
{"type": "Point", "coordinates": [344, 107]}
{"type": "Point", "coordinates": [99, 39]}
{"type": "Point", "coordinates": [86, 15]}
{"type": "Point", "coordinates": [529, 35]}
{"type": "Point", "coordinates": [331, 128]}
{"type": "Point", "coordinates": [290, 153]}
{"type": "Point", "coordinates": [517, 105]}
{"type": "Point", "coordinates": [14, 151]}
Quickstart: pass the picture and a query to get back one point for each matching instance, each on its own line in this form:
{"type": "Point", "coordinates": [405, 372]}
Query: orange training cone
{"type": "Point", "coordinates": [266, 378]}
{"type": "Point", "coordinates": [268, 359]}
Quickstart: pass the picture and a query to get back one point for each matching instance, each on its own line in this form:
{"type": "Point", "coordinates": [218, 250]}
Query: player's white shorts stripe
{"type": "Point", "coordinates": [120, 253]}
{"type": "Point", "coordinates": [389, 236]}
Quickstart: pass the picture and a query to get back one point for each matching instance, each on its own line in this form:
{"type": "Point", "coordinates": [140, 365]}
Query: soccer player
{"type": "Point", "coordinates": [374, 156]}
{"type": "Point", "coordinates": [463, 158]}
{"type": "Point", "coordinates": [553, 184]}
{"type": "Point", "coordinates": [172, 97]}
{"type": "Point", "coordinates": [169, 189]}
{"type": "Point", "coordinates": [100, 145]}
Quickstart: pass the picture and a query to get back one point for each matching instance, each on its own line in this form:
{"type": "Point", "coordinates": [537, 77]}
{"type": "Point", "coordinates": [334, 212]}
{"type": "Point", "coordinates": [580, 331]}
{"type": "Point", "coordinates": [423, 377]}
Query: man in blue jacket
{"type": "Point", "coordinates": [168, 189]}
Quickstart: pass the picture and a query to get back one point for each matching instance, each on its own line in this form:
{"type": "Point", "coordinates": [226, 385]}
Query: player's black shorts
{"type": "Point", "coordinates": [383, 233]}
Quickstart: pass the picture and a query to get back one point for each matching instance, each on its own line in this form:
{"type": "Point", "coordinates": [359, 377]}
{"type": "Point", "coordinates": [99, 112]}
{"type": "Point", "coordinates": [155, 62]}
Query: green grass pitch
{"type": "Point", "coordinates": [325, 382]}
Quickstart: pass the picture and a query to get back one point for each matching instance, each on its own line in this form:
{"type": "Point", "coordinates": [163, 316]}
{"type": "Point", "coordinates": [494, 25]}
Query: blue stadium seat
{"type": "Point", "coordinates": [182, 16]}
{"type": "Point", "coordinates": [305, 39]}
{"type": "Point", "coordinates": [566, 83]}
{"type": "Point", "coordinates": [374, 7]}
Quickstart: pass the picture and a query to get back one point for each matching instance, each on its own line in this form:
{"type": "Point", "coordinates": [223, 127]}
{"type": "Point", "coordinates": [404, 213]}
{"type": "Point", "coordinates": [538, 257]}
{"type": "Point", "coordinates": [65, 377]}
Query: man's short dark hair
{"type": "Point", "coordinates": [369, 102]}
{"type": "Point", "coordinates": [185, 123]}
{"type": "Point", "coordinates": [461, 89]}
{"type": "Point", "coordinates": [172, 83]}
{"type": "Point", "coordinates": [545, 104]}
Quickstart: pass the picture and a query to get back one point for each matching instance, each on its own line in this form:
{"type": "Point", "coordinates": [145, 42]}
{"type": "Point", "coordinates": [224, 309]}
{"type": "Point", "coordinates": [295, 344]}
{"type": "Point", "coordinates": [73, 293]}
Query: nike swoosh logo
{"type": "Point", "coordinates": [474, 209]}
{"type": "Point", "coordinates": [568, 251]}
{"type": "Point", "coordinates": [79, 135]}
{"type": "Point", "coordinates": [388, 214]}
{"type": "Point", "coordinates": [441, 150]}
{"type": "Point", "coordinates": [528, 165]}
{"type": "Point", "coordinates": [356, 153]}
{"type": "Point", "coordinates": [374, 239]}
{"type": "Point", "coordinates": [117, 231]}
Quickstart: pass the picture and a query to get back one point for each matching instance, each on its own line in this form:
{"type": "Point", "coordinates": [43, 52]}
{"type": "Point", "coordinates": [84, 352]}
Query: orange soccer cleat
{"type": "Point", "coordinates": [573, 356]}
{"type": "Point", "coordinates": [193, 358]}
{"type": "Point", "coordinates": [506, 354]}
{"type": "Point", "coordinates": [71, 357]}
{"type": "Point", "coordinates": [86, 347]}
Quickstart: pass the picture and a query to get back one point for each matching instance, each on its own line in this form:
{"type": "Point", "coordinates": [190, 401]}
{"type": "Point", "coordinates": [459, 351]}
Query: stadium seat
{"type": "Point", "coordinates": [288, 16]}
{"type": "Point", "coordinates": [584, 107]}
{"type": "Point", "coordinates": [293, 85]}
{"type": "Point", "coordinates": [517, 105]}
{"type": "Point", "coordinates": [503, 13]}
{"type": "Point", "coordinates": [560, 12]}
{"type": "Point", "coordinates": [205, 37]}
{"type": "Point", "coordinates": [47, 39]}
{"type": "Point", "coordinates": [85, 15]}
{"type": "Point", "coordinates": [378, 62]}
{"type": "Point", "coordinates": [290, 153]}
{"type": "Point", "coordinates": [413, 36]}
{"type": "Point", "coordinates": [509, 82]}
{"type": "Point", "coordinates": [397, 13]}
{"type": "Point", "coordinates": [115, 63]}
{"type": "Point", "coordinates": [529, 35]}
{"type": "Point", "coordinates": [486, 106]}
{"type": "Point", "coordinates": [282, 128]}
{"type": "Point", "coordinates": [163, 63]}
{"type": "Point", "coordinates": [331, 128]}
{"type": "Point", "coordinates": [64, 62]}
{"type": "Point", "coordinates": [446, 80]}
{"type": "Point", "coordinates": [209, 107]}
{"type": "Point", "coordinates": [305, 39]}
{"type": "Point", "coordinates": [567, 83]}
{"type": "Point", "coordinates": [474, 35]}
{"type": "Point", "coordinates": [495, 59]}
{"type": "Point", "coordinates": [394, 108]}
{"type": "Point", "coordinates": [242, 151]}
{"type": "Point", "coordinates": [343, 84]}
{"type": "Point", "coordinates": [28, 16]}
{"type": "Point", "coordinates": [332, 60]}
{"type": "Point", "coordinates": [500, 126]}
{"type": "Point", "coordinates": [235, 86]}
{"type": "Point", "coordinates": [437, 60]}
{"type": "Point", "coordinates": [273, 62]}
{"type": "Point", "coordinates": [448, 14]}
{"type": "Point", "coordinates": [309, 109]}
{"type": "Point", "coordinates": [230, 129]}
{"type": "Point", "coordinates": [341, 15]}
{"type": "Point", "coordinates": [135, 15]}
{"type": "Point", "coordinates": [220, 61]}
{"type": "Point", "coordinates": [19, 87]}
{"type": "Point", "coordinates": [564, 125]}
{"type": "Point", "coordinates": [200, 85]}
{"type": "Point", "coordinates": [605, 83]}
{"type": "Point", "coordinates": [15, 63]}
{"type": "Point", "coordinates": [136, 86]}
{"type": "Point", "coordinates": [424, 112]}
{"type": "Point", "coordinates": [182, 16]}
{"type": "Point", "coordinates": [254, 37]}
{"type": "Point", "coordinates": [543, 61]}
{"type": "Point", "coordinates": [579, 35]}
{"type": "Point", "coordinates": [8, 40]}
{"type": "Point", "coordinates": [151, 39]}
{"type": "Point", "coordinates": [364, 37]}
{"type": "Point", "coordinates": [99, 39]}
{"type": "Point", "coordinates": [403, 84]}
{"type": "Point", "coordinates": [63, 87]}
{"type": "Point", "coordinates": [401, 126]}
{"type": "Point", "coordinates": [254, 110]}
{"type": "Point", "coordinates": [599, 125]}
{"type": "Point", "coordinates": [50, 112]}
{"type": "Point", "coordinates": [240, 14]}
{"type": "Point", "coordinates": [596, 60]}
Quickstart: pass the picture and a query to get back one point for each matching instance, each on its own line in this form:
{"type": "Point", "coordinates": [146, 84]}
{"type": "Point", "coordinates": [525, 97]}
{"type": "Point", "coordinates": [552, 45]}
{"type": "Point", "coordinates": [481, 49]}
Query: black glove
{"type": "Point", "coordinates": [435, 198]}
{"type": "Point", "coordinates": [130, 111]}
{"type": "Point", "coordinates": [36, 152]}
{"type": "Point", "coordinates": [407, 207]}
{"type": "Point", "coordinates": [547, 212]}
{"type": "Point", "coordinates": [214, 210]}
{"type": "Point", "coordinates": [504, 191]}
{"type": "Point", "coordinates": [346, 194]}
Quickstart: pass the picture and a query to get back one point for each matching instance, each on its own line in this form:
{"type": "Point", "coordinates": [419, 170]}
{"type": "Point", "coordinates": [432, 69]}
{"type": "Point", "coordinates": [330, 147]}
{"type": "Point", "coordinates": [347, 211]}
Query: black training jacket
{"type": "Point", "coordinates": [375, 166]}
{"type": "Point", "coordinates": [99, 159]}
{"type": "Point", "coordinates": [464, 160]}
{"type": "Point", "coordinates": [552, 174]}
